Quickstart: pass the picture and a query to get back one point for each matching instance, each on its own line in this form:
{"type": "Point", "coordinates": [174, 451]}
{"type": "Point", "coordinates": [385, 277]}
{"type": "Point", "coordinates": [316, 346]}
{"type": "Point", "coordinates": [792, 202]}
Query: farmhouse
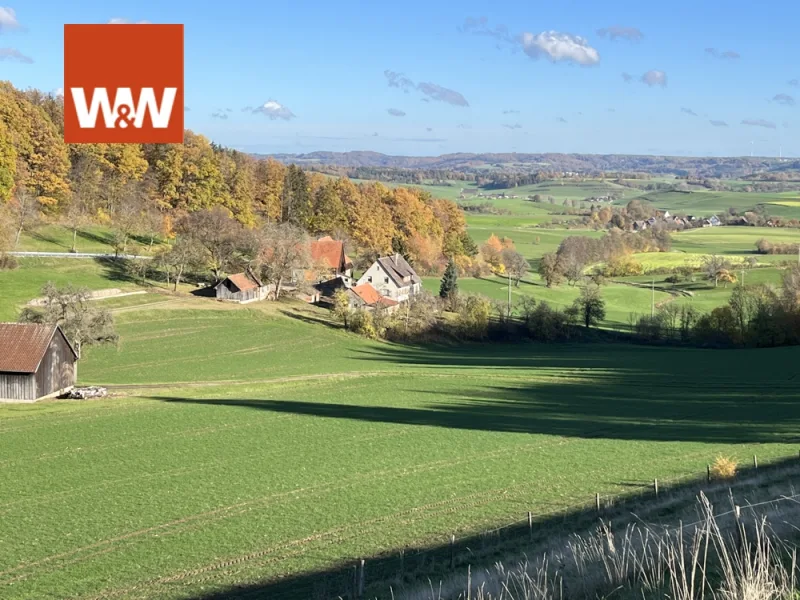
{"type": "Point", "coordinates": [366, 296]}
{"type": "Point", "coordinates": [36, 361]}
{"type": "Point", "coordinates": [329, 257]}
{"type": "Point", "coordinates": [241, 288]}
{"type": "Point", "coordinates": [393, 277]}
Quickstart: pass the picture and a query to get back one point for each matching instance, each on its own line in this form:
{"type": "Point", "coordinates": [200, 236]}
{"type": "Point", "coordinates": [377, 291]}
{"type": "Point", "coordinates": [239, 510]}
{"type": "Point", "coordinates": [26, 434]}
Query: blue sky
{"type": "Point", "coordinates": [552, 78]}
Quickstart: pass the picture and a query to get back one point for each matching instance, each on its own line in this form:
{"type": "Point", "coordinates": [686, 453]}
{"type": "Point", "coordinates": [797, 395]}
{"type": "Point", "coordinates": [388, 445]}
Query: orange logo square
{"type": "Point", "coordinates": [123, 84]}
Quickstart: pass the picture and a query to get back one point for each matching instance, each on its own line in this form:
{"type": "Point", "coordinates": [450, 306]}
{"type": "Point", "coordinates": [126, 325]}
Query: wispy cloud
{"type": "Point", "coordinates": [218, 114]}
{"type": "Point", "coordinates": [510, 111]}
{"type": "Point", "coordinates": [186, 109]}
{"type": "Point", "coordinates": [617, 32]}
{"type": "Point", "coordinates": [398, 80]}
{"type": "Point", "coordinates": [480, 26]}
{"type": "Point", "coordinates": [724, 55]}
{"type": "Point", "coordinates": [689, 111]}
{"type": "Point", "coordinates": [627, 77]}
{"type": "Point", "coordinates": [429, 129]}
{"type": "Point", "coordinates": [8, 19]}
{"type": "Point", "coordinates": [421, 140]}
{"type": "Point", "coordinates": [759, 123]}
{"type": "Point", "coordinates": [794, 82]}
{"type": "Point", "coordinates": [124, 21]}
{"type": "Point", "coordinates": [14, 54]}
{"type": "Point", "coordinates": [561, 120]}
{"type": "Point", "coordinates": [716, 123]}
{"type": "Point", "coordinates": [654, 77]}
{"type": "Point", "coordinates": [612, 110]}
{"type": "Point", "coordinates": [560, 47]}
{"type": "Point", "coordinates": [784, 99]}
{"type": "Point", "coordinates": [395, 112]}
{"type": "Point", "coordinates": [464, 126]}
{"type": "Point", "coordinates": [512, 125]}
{"type": "Point", "coordinates": [431, 91]}
{"type": "Point", "coordinates": [272, 109]}
{"type": "Point", "coordinates": [442, 94]}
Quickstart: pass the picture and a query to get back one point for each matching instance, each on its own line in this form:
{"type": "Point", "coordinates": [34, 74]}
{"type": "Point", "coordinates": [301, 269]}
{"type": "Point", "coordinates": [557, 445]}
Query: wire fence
{"type": "Point", "coordinates": [376, 576]}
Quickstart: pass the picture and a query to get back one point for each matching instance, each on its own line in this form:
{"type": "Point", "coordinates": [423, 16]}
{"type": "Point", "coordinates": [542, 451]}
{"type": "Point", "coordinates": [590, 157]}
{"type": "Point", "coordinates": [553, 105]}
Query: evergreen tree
{"type": "Point", "coordinates": [449, 286]}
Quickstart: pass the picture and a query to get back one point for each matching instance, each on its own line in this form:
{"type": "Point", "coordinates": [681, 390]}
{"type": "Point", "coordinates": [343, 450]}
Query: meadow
{"type": "Point", "coordinates": [245, 444]}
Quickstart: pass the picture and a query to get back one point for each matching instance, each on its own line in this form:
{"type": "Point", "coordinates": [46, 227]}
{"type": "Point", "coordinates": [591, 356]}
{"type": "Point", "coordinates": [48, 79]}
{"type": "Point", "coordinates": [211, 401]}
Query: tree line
{"type": "Point", "coordinates": [151, 192]}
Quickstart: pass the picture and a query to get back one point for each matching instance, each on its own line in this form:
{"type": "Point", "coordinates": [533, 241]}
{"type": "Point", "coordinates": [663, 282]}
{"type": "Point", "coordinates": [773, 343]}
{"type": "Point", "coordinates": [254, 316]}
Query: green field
{"type": "Point", "coordinates": [291, 445]}
{"type": "Point", "coordinates": [706, 203]}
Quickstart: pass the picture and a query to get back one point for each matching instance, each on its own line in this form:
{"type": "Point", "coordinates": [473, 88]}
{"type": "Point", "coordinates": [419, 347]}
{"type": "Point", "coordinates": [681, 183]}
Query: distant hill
{"type": "Point", "coordinates": [676, 165]}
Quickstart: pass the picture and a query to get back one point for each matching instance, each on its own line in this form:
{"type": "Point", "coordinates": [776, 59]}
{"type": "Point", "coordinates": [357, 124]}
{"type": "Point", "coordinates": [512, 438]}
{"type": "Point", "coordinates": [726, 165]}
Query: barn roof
{"type": "Point", "coordinates": [25, 344]}
{"type": "Point", "coordinates": [330, 251]}
{"type": "Point", "coordinates": [244, 281]}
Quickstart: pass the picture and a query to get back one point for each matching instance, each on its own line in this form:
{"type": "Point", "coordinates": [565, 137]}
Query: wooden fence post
{"type": "Point", "coordinates": [361, 578]}
{"type": "Point", "coordinates": [452, 552]}
{"type": "Point", "coordinates": [530, 524]}
{"type": "Point", "coordinates": [655, 486]}
{"type": "Point", "coordinates": [597, 502]}
{"type": "Point", "coordinates": [755, 461]}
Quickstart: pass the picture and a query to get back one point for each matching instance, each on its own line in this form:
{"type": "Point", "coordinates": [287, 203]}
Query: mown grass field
{"type": "Point", "coordinates": [705, 203]}
{"type": "Point", "coordinates": [258, 442]}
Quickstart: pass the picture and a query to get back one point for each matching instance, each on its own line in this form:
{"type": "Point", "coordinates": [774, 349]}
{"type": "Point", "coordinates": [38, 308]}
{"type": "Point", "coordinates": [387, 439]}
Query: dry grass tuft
{"type": "Point", "coordinates": [723, 468]}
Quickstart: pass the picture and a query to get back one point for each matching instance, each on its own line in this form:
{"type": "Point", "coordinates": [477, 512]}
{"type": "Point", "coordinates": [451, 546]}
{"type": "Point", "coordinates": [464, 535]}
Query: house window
{"type": "Point", "coordinates": [385, 280]}
{"type": "Point", "coordinates": [369, 279]}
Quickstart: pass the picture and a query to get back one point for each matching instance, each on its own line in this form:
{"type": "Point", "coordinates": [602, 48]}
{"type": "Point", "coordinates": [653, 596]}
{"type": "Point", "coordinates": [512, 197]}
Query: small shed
{"type": "Point", "coordinates": [36, 361]}
{"type": "Point", "coordinates": [242, 288]}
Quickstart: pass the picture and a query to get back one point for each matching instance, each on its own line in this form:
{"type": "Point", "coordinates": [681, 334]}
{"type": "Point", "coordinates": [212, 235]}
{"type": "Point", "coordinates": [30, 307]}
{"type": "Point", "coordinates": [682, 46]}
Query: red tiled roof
{"type": "Point", "coordinates": [371, 296]}
{"type": "Point", "coordinates": [24, 345]}
{"type": "Point", "coordinates": [327, 250]}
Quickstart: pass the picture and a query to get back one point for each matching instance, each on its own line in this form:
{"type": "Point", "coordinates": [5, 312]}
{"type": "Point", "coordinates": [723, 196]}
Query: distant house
{"type": "Point", "coordinates": [393, 277]}
{"type": "Point", "coordinates": [651, 221]}
{"type": "Point", "coordinates": [328, 255]}
{"type": "Point", "coordinates": [715, 222]}
{"type": "Point", "coordinates": [741, 221]}
{"type": "Point", "coordinates": [242, 288]}
{"type": "Point", "coordinates": [639, 225]}
{"type": "Point", "coordinates": [366, 296]}
{"type": "Point", "coordinates": [36, 361]}
{"type": "Point", "coordinates": [327, 289]}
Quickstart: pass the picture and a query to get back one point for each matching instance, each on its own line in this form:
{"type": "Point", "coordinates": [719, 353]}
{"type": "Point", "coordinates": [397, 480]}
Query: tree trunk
{"type": "Point", "coordinates": [74, 239]}
{"type": "Point", "coordinates": [178, 278]}
{"type": "Point", "coordinates": [19, 233]}
{"type": "Point", "coordinates": [278, 287]}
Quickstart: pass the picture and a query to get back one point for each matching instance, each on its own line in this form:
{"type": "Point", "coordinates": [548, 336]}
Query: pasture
{"type": "Point", "coordinates": [245, 444]}
{"type": "Point", "coordinates": [706, 203]}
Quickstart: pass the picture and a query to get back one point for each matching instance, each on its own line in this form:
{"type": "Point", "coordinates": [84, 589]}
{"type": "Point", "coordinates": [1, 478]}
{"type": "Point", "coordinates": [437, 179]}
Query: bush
{"type": "Point", "coordinates": [8, 262]}
{"type": "Point", "coordinates": [623, 266]}
{"type": "Point", "coordinates": [361, 322]}
{"type": "Point", "coordinates": [723, 468]}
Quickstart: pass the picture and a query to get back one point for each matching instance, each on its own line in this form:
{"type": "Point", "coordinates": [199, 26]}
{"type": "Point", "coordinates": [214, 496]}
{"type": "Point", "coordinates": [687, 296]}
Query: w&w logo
{"type": "Point", "coordinates": [124, 84]}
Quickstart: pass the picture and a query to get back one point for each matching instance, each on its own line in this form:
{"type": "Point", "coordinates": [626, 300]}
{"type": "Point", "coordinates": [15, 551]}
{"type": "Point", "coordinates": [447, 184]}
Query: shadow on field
{"type": "Point", "coordinates": [416, 570]}
{"type": "Point", "coordinates": [581, 392]}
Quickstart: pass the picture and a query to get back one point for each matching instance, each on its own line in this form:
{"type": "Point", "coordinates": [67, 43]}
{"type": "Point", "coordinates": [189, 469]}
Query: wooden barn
{"type": "Point", "coordinates": [242, 288]}
{"type": "Point", "coordinates": [36, 361]}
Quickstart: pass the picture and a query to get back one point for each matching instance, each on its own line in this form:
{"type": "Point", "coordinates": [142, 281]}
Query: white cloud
{"type": "Point", "coordinates": [272, 109]}
{"type": "Point", "coordinates": [124, 21]}
{"type": "Point", "coordinates": [655, 77]}
{"type": "Point", "coordinates": [218, 114]}
{"type": "Point", "coordinates": [632, 34]}
{"type": "Point", "coordinates": [8, 19]}
{"type": "Point", "coordinates": [558, 47]}
{"type": "Point", "coordinates": [14, 54]}
{"type": "Point", "coordinates": [395, 112]}
{"type": "Point", "coordinates": [716, 123]}
{"type": "Point", "coordinates": [689, 111]}
{"type": "Point", "coordinates": [512, 126]}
